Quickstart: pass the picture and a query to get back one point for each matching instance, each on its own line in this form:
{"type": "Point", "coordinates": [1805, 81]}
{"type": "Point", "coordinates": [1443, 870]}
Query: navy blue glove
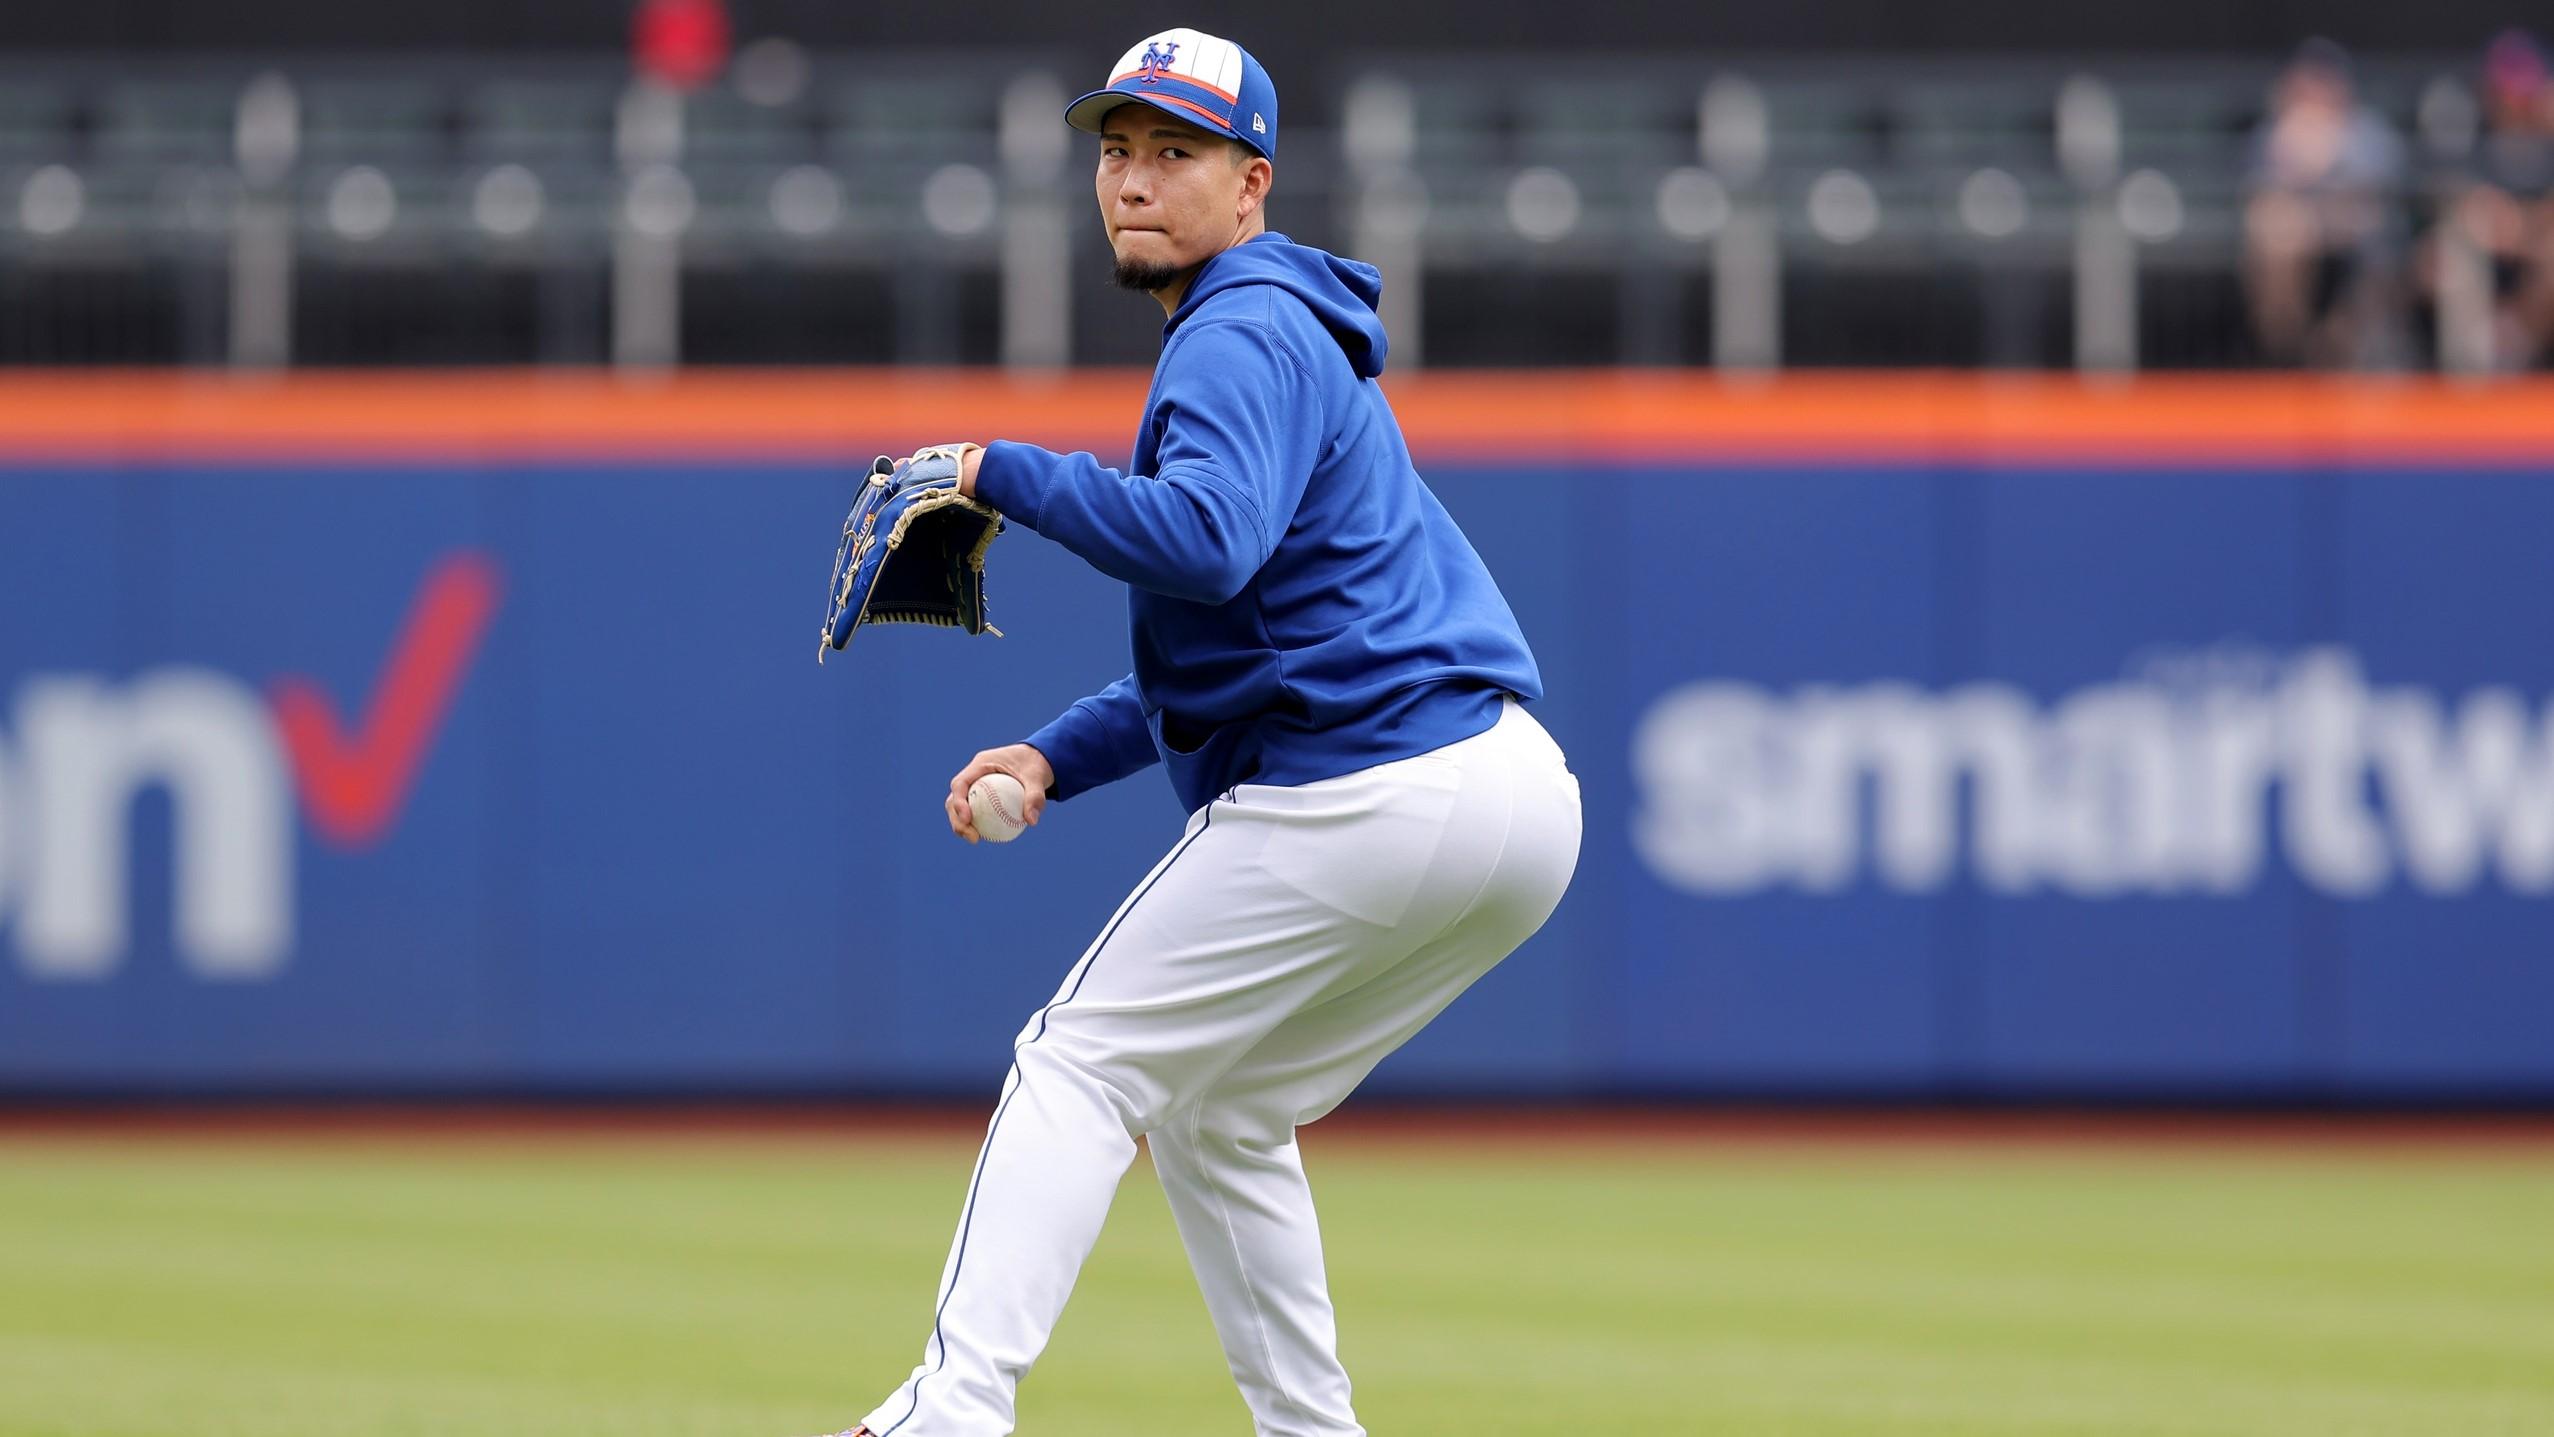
{"type": "Point", "coordinates": [912, 550]}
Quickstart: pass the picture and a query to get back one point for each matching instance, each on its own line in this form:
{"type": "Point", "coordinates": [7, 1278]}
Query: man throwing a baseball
{"type": "Point", "coordinates": [1335, 687]}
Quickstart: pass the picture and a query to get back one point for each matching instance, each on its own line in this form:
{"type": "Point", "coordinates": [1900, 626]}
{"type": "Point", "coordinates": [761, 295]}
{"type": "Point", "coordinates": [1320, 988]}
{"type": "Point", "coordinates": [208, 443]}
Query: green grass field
{"type": "Point", "coordinates": [315, 1287]}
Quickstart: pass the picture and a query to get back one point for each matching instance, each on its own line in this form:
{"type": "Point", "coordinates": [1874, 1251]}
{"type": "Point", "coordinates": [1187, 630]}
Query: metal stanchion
{"type": "Point", "coordinates": [1037, 247]}
{"type": "Point", "coordinates": [1737, 138]}
{"type": "Point", "coordinates": [656, 207]}
{"type": "Point", "coordinates": [1378, 135]}
{"type": "Point", "coordinates": [2465, 301]}
{"type": "Point", "coordinates": [266, 139]}
{"type": "Point", "coordinates": [2088, 149]}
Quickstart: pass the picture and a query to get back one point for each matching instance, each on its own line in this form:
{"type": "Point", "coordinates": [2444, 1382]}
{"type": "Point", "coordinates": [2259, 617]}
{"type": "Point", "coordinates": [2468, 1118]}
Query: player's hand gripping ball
{"type": "Point", "coordinates": [1000, 806]}
{"type": "Point", "coordinates": [999, 792]}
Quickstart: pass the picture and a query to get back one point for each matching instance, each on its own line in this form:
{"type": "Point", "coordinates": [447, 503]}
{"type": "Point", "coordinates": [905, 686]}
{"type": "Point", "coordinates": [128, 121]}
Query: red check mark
{"type": "Point", "coordinates": [353, 785]}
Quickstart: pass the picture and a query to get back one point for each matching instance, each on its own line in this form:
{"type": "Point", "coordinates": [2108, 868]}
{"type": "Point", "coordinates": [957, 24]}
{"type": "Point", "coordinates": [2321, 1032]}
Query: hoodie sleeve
{"type": "Point", "coordinates": [1242, 425]}
{"type": "Point", "coordinates": [1099, 740]}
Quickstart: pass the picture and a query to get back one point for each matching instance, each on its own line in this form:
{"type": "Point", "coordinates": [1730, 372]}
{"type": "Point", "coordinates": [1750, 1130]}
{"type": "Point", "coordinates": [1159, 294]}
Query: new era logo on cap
{"type": "Point", "coordinates": [1203, 79]}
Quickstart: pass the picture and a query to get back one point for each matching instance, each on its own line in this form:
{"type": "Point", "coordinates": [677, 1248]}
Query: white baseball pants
{"type": "Point", "coordinates": [1290, 940]}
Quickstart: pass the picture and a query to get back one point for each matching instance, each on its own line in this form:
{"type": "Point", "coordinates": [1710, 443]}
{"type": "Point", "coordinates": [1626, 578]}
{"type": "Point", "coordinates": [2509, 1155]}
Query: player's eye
{"type": "Point", "coordinates": [1175, 152]}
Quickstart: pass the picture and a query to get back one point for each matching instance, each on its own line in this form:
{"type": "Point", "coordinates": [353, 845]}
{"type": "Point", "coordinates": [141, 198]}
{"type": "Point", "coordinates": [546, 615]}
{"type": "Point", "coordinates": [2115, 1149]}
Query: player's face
{"type": "Point", "coordinates": [1170, 193]}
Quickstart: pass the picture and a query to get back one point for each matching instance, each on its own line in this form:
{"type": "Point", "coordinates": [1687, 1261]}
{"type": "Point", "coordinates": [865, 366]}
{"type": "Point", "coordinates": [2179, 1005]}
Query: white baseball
{"type": "Point", "coordinates": [1001, 807]}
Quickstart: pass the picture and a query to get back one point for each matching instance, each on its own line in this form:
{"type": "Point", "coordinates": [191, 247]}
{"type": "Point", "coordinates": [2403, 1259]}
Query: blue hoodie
{"type": "Point", "coordinates": [1303, 607]}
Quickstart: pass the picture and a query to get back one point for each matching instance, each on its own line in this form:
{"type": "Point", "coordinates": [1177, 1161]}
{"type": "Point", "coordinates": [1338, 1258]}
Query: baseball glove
{"type": "Point", "coordinates": [912, 551]}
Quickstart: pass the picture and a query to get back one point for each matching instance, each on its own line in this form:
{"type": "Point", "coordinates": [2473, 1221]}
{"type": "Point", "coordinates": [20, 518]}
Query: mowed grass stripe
{"type": "Point", "coordinates": [2127, 1283]}
{"type": "Point", "coordinates": [355, 1288]}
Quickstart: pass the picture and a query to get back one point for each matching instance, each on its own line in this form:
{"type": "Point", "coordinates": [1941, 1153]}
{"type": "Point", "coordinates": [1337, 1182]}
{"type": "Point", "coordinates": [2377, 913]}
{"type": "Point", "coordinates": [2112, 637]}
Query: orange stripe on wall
{"type": "Point", "coordinates": [1522, 416]}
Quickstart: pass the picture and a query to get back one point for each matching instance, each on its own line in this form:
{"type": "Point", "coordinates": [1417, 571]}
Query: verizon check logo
{"type": "Point", "coordinates": [233, 761]}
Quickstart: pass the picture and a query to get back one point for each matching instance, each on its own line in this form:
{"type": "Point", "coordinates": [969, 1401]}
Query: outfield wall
{"type": "Point", "coordinates": [1941, 738]}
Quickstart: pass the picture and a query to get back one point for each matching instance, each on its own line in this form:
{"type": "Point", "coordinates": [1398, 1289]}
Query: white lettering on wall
{"type": "Point", "coordinates": [2171, 783]}
{"type": "Point", "coordinates": [86, 751]}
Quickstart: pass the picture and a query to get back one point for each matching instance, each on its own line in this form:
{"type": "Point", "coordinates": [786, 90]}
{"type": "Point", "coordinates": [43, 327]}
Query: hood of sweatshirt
{"type": "Point", "coordinates": [1341, 293]}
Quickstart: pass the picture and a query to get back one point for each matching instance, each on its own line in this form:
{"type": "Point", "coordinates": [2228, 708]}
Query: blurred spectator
{"type": "Point", "coordinates": [2321, 242]}
{"type": "Point", "coordinates": [2502, 214]}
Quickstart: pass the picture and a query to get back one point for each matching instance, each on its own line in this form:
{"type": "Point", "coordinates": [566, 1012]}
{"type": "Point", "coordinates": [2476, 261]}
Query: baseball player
{"type": "Point", "coordinates": [1335, 687]}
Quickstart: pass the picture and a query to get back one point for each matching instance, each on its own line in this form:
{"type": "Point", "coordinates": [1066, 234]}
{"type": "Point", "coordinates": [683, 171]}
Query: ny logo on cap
{"type": "Point", "coordinates": [1157, 58]}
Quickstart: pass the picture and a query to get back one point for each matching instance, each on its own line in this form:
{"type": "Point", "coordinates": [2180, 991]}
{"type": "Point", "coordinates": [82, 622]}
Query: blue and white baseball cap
{"type": "Point", "coordinates": [1201, 78]}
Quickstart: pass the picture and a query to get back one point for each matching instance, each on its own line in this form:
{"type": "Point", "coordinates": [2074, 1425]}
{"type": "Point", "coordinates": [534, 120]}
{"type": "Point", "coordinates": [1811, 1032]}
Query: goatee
{"type": "Point", "coordinates": [1150, 278]}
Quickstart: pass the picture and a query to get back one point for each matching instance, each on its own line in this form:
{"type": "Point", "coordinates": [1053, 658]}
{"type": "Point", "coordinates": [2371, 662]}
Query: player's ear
{"type": "Point", "coordinates": [1257, 176]}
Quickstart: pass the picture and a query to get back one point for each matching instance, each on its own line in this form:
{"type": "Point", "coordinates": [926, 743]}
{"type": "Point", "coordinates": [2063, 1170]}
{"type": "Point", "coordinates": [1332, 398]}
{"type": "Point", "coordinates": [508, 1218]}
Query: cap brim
{"type": "Point", "coordinates": [1086, 113]}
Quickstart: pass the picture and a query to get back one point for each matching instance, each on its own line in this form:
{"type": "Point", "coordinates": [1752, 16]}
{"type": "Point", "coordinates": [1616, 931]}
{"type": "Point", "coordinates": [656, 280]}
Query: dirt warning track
{"type": "Point", "coordinates": [1383, 1123]}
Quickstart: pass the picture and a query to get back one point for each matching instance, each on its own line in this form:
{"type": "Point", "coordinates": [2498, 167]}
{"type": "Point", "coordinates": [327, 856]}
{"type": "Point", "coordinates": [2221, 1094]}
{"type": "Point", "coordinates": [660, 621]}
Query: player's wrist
{"type": "Point", "coordinates": [1037, 768]}
{"type": "Point", "coordinates": [939, 464]}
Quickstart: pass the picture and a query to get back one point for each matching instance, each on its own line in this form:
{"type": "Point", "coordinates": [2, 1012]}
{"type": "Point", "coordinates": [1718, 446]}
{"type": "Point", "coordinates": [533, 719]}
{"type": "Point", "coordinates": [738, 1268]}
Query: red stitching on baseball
{"type": "Point", "coordinates": [993, 799]}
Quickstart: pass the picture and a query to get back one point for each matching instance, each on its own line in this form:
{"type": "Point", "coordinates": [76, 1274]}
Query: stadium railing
{"type": "Point", "coordinates": [1675, 210]}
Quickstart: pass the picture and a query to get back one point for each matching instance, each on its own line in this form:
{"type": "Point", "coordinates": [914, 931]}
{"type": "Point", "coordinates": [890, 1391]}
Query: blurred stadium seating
{"type": "Point", "coordinates": [847, 206]}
